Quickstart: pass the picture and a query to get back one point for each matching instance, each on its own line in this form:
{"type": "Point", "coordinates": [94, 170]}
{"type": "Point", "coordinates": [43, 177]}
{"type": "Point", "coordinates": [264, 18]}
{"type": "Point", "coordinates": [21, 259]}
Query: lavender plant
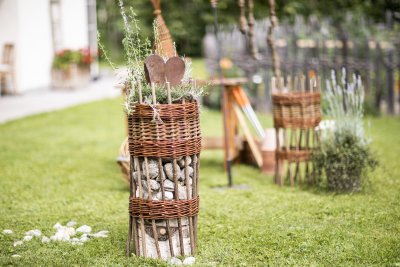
{"type": "Point", "coordinates": [345, 105]}
{"type": "Point", "coordinates": [344, 153]}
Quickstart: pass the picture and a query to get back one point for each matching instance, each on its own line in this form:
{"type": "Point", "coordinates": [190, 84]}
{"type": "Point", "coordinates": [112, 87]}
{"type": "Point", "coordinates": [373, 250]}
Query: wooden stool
{"type": "Point", "coordinates": [7, 70]}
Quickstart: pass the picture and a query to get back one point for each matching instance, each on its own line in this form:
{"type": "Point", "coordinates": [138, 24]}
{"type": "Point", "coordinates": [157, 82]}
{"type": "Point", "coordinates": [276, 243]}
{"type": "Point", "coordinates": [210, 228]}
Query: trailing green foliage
{"type": "Point", "coordinates": [344, 153]}
{"type": "Point", "coordinates": [137, 48]}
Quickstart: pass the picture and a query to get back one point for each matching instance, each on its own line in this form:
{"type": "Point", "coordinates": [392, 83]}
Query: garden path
{"type": "Point", "coordinates": [46, 100]}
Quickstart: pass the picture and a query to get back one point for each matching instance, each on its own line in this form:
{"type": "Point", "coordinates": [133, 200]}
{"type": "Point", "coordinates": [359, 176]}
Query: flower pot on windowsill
{"type": "Point", "coordinates": [74, 76]}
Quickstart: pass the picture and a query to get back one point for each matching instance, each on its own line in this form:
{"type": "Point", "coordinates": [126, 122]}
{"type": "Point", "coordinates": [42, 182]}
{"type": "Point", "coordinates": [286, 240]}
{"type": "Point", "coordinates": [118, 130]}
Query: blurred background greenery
{"type": "Point", "coordinates": [187, 19]}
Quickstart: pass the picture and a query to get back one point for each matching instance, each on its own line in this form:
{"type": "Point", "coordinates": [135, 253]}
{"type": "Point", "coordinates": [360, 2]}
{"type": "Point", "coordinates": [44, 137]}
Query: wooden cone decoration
{"type": "Point", "coordinates": [163, 44]}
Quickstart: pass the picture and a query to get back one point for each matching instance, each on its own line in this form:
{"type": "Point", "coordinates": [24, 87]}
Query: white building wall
{"type": "Point", "coordinates": [74, 24]}
{"type": "Point", "coordinates": [27, 24]}
{"type": "Point", "coordinates": [34, 47]}
{"type": "Point", "coordinates": [8, 23]}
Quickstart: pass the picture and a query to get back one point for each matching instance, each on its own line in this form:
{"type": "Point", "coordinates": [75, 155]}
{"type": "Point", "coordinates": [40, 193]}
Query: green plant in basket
{"type": "Point", "coordinates": [344, 153]}
{"type": "Point", "coordinates": [136, 49]}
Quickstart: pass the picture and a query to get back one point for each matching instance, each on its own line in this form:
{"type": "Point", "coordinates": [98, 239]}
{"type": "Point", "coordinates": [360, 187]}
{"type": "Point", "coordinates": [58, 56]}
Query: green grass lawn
{"type": "Point", "coordinates": [61, 166]}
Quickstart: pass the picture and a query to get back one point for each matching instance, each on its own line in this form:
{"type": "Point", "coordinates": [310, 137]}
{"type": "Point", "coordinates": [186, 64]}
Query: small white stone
{"type": "Point", "coordinates": [189, 261]}
{"type": "Point", "coordinates": [181, 163]}
{"type": "Point", "coordinates": [169, 171]}
{"type": "Point", "coordinates": [190, 172]}
{"type": "Point", "coordinates": [75, 239]}
{"type": "Point", "coordinates": [84, 239]}
{"type": "Point", "coordinates": [169, 195]}
{"type": "Point", "coordinates": [62, 234]}
{"type": "Point", "coordinates": [152, 168]}
{"type": "Point", "coordinates": [101, 234]}
{"type": "Point", "coordinates": [45, 239]}
{"type": "Point", "coordinates": [135, 176]}
{"type": "Point", "coordinates": [57, 226]}
{"type": "Point", "coordinates": [169, 185]}
{"type": "Point", "coordinates": [174, 261]}
{"type": "Point", "coordinates": [18, 243]}
{"type": "Point", "coordinates": [182, 191]}
{"type": "Point", "coordinates": [162, 175]}
{"type": "Point", "coordinates": [35, 232]}
{"type": "Point", "coordinates": [16, 256]}
{"type": "Point", "coordinates": [7, 232]}
{"type": "Point", "coordinates": [71, 223]}
{"type": "Point", "coordinates": [84, 229]}
{"type": "Point", "coordinates": [70, 231]}
{"type": "Point", "coordinates": [190, 181]}
{"type": "Point", "coordinates": [27, 238]}
{"type": "Point", "coordinates": [154, 185]}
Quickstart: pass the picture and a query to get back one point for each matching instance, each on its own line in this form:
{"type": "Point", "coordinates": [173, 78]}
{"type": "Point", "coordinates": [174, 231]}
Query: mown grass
{"type": "Point", "coordinates": [60, 166]}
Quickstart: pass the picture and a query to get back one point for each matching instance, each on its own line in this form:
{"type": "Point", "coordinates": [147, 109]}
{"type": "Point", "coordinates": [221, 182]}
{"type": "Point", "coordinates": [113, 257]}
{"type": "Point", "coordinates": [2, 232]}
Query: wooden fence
{"type": "Point", "coordinates": [315, 47]}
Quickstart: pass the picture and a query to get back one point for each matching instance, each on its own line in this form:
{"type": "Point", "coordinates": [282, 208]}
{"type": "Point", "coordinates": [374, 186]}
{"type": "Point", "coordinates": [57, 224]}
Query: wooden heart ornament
{"type": "Point", "coordinates": [174, 70]}
{"type": "Point", "coordinates": [154, 69]}
{"type": "Point", "coordinates": [158, 72]}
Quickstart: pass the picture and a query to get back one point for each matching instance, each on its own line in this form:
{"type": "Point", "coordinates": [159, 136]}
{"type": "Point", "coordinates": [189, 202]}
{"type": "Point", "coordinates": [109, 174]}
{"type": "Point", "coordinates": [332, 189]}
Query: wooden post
{"type": "Point", "coordinates": [390, 81]}
{"type": "Point", "coordinates": [377, 70]}
{"type": "Point", "coordinates": [270, 39]}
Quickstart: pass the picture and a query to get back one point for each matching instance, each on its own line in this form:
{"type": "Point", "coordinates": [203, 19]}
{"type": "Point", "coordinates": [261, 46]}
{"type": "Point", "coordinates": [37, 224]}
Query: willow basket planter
{"type": "Point", "coordinates": [164, 146]}
{"type": "Point", "coordinates": [296, 113]}
{"type": "Point", "coordinates": [70, 78]}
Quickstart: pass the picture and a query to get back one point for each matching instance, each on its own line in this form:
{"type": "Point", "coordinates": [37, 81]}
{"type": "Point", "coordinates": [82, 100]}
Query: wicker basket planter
{"type": "Point", "coordinates": [296, 114]}
{"type": "Point", "coordinates": [72, 77]}
{"type": "Point", "coordinates": [164, 146]}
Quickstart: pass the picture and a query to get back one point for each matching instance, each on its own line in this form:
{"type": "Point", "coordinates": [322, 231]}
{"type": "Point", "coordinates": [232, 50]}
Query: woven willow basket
{"type": "Point", "coordinates": [297, 113]}
{"type": "Point", "coordinates": [164, 146]}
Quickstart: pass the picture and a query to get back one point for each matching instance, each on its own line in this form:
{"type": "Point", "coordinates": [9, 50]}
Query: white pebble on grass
{"type": "Point", "coordinates": [27, 238]}
{"type": "Point", "coordinates": [62, 234]}
{"type": "Point", "coordinates": [189, 261]}
{"type": "Point", "coordinates": [7, 232]}
{"type": "Point", "coordinates": [84, 229]}
{"type": "Point", "coordinates": [101, 234]}
{"type": "Point", "coordinates": [18, 243]}
{"type": "Point", "coordinates": [174, 261]}
{"type": "Point", "coordinates": [70, 231]}
{"type": "Point", "coordinates": [71, 223]}
{"type": "Point", "coordinates": [16, 256]}
{"type": "Point", "coordinates": [35, 232]}
{"type": "Point", "coordinates": [57, 226]}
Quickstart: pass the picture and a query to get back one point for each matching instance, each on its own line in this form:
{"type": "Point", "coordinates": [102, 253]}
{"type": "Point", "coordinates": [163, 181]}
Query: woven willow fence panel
{"type": "Point", "coordinates": [296, 113]}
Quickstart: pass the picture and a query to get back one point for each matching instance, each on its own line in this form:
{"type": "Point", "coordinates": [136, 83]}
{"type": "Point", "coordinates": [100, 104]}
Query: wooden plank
{"type": "Point", "coordinates": [223, 81]}
{"type": "Point", "coordinates": [218, 143]}
{"type": "Point", "coordinates": [253, 146]}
